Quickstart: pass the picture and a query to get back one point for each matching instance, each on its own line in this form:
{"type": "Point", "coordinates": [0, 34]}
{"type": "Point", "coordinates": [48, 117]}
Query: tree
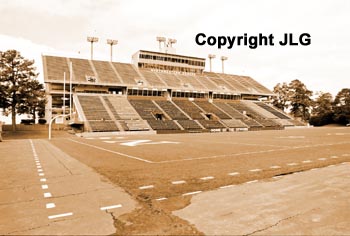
{"type": "Point", "coordinates": [18, 84]}
{"type": "Point", "coordinates": [341, 107]}
{"type": "Point", "coordinates": [300, 99]}
{"type": "Point", "coordinates": [322, 113]}
{"type": "Point", "coordinates": [282, 92]}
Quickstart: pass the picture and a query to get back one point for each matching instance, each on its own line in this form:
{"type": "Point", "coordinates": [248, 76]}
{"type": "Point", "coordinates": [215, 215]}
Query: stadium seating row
{"type": "Point", "coordinates": [144, 114]}
{"type": "Point", "coordinates": [125, 74]}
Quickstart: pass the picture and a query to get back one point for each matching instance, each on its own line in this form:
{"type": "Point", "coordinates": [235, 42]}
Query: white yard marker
{"type": "Point", "coordinates": [37, 163]}
{"type": "Point", "coordinates": [233, 173]}
{"type": "Point", "coordinates": [50, 205]}
{"type": "Point", "coordinates": [146, 187]}
{"type": "Point", "coordinates": [44, 186]}
{"type": "Point", "coordinates": [255, 170]}
{"type": "Point", "coordinates": [60, 215]}
{"type": "Point", "coordinates": [207, 178]}
{"type": "Point", "coordinates": [307, 161]}
{"type": "Point", "coordinates": [322, 159]}
{"type": "Point", "coordinates": [39, 167]}
{"type": "Point", "coordinates": [110, 141]}
{"type": "Point", "coordinates": [46, 195]}
{"type": "Point", "coordinates": [292, 164]}
{"type": "Point", "coordinates": [41, 174]}
{"type": "Point", "coordinates": [275, 167]}
{"type": "Point", "coordinates": [43, 180]}
{"type": "Point", "coordinates": [226, 186]}
{"type": "Point", "coordinates": [191, 193]}
{"type": "Point", "coordinates": [40, 170]}
{"type": "Point", "coordinates": [161, 199]}
{"type": "Point", "coordinates": [179, 182]}
{"type": "Point", "coordinates": [110, 207]}
{"type": "Point", "coordinates": [335, 157]}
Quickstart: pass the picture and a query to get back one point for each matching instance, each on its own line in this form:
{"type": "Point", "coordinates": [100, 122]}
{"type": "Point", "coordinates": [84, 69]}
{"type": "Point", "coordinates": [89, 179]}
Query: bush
{"type": "Point", "coordinates": [321, 120]}
{"type": "Point", "coordinates": [42, 121]}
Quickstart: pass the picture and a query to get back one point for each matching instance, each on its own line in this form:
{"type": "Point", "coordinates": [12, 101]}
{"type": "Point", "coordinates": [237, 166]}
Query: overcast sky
{"type": "Point", "coordinates": [61, 26]}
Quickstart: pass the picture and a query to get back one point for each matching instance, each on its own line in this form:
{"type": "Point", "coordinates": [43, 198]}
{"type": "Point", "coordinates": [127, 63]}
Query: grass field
{"type": "Point", "coordinates": [161, 167]}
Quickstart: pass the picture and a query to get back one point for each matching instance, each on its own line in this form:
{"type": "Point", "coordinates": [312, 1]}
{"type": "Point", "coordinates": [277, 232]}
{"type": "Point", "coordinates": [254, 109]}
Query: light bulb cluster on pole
{"type": "Point", "coordinates": [93, 40]}
{"type": "Point", "coordinates": [223, 58]}
{"type": "Point", "coordinates": [112, 42]}
{"type": "Point", "coordinates": [167, 44]}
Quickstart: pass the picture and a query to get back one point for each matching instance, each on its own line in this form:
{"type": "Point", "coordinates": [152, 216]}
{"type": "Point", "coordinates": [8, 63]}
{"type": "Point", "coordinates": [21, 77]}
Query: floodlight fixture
{"type": "Point", "coordinates": [161, 40]}
{"type": "Point", "coordinates": [223, 58]}
{"type": "Point", "coordinates": [211, 56]}
{"type": "Point", "coordinates": [112, 42]}
{"type": "Point", "coordinates": [92, 40]}
{"type": "Point", "coordinates": [171, 42]}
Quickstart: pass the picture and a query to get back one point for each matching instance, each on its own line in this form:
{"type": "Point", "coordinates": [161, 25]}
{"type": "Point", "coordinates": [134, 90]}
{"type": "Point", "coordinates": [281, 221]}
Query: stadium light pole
{"type": "Point", "coordinates": [211, 56]}
{"type": "Point", "coordinates": [223, 58]}
{"type": "Point", "coordinates": [160, 40]}
{"type": "Point", "coordinates": [112, 42]}
{"type": "Point", "coordinates": [171, 42]}
{"type": "Point", "coordinates": [92, 40]}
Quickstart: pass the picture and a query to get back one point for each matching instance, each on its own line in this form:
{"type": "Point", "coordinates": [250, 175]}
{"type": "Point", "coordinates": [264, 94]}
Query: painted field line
{"type": "Point", "coordinates": [233, 173]}
{"type": "Point", "coordinates": [275, 167]}
{"type": "Point", "coordinates": [253, 181]}
{"type": "Point", "coordinates": [146, 187]}
{"type": "Point", "coordinates": [39, 167]}
{"type": "Point", "coordinates": [335, 157]}
{"type": "Point", "coordinates": [227, 186]}
{"type": "Point", "coordinates": [307, 161]}
{"type": "Point", "coordinates": [322, 159]}
{"type": "Point", "coordinates": [255, 170]}
{"type": "Point", "coordinates": [191, 193]}
{"type": "Point", "coordinates": [292, 164]}
{"type": "Point", "coordinates": [179, 182]}
{"type": "Point", "coordinates": [103, 138]}
{"type": "Point", "coordinates": [110, 207]}
{"type": "Point", "coordinates": [60, 215]}
{"type": "Point", "coordinates": [43, 180]}
{"type": "Point", "coordinates": [38, 163]}
{"type": "Point", "coordinates": [114, 152]}
{"type": "Point", "coordinates": [46, 195]}
{"type": "Point", "coordinates": [207, 178]}
{"type": "Point", "coordinates": [40, 170]}
{"type": "Point", "coordinates": [161, 199]}
{"type": "Point", "coordinates": [41, 174]}
{"type": "Point", "coordinates": [44, 186]}
{"type": "Point", "coordinates": [50, 205]}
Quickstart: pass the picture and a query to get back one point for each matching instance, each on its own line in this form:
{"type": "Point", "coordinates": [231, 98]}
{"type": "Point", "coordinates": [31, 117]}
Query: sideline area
{"type": "Point", "coordinates": [45, 191]}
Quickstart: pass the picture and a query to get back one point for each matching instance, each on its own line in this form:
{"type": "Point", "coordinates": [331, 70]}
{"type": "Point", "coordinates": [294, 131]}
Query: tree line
{"type": "Point", "coordinates": [296, 99]}
{"type": "Point", "coordinates": [20, 91]}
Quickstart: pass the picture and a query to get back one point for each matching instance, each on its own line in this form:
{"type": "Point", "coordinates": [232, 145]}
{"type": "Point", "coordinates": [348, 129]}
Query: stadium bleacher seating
{"type": "Point", "coordinates": [159, 111]}
{"type": "Point", "coordinates": [210, 108]}
{"type": "Point", "coordinates": [146, 108]}
{"type": "Point", "coordinates": [272, 110]}
{"type": "Point", "coordinates": [192, 110]}
{"type": "Point", "coordinates": [163, 125]}
{"type": "Point", "coordinates": [211, 124]}
{"type": "Point", "coordinates": [189, 124]}
{"type": "Point", "coordinates": [171, 110]}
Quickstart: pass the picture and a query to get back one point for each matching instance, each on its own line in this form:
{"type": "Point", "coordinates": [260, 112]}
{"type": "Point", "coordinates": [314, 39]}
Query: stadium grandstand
{"type": "Point", "coordinates": [159, 91]}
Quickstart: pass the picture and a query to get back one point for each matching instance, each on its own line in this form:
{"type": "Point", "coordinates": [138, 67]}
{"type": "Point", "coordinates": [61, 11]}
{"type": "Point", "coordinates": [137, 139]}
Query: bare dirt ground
{"type": "Point", "coordinates": [163, 172]}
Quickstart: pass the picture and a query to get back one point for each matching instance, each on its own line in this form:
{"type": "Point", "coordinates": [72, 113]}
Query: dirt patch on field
{"type": "Point", "coordinates": [154, 219]}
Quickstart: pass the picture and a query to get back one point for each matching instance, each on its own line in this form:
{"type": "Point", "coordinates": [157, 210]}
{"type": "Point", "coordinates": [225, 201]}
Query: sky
{"type": "Point", "coordinates": [60, 27]}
